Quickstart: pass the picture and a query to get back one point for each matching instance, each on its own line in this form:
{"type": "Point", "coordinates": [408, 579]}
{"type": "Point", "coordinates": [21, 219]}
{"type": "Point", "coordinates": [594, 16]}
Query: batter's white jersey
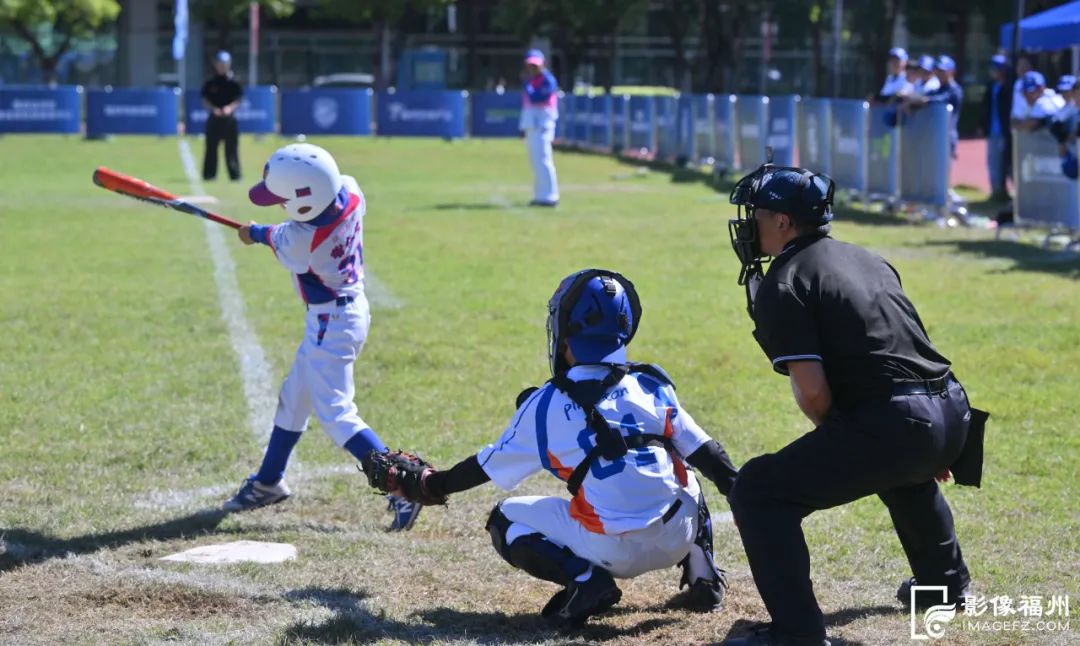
{"type": "Point", "coordinates": [631, 493]}
{"type": "Point", "coordinates": [327, 259]}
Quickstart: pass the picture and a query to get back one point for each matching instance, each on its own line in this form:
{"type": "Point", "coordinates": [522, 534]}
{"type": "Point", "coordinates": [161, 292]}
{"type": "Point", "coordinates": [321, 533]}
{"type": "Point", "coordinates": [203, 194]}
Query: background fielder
{"type": "Point", "coordinates": [322, 244]}
{"type": "Point", "coordinates": [539, 112]}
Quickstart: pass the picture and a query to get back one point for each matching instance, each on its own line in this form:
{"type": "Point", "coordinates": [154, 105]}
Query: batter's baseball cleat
{"type": "Point", "coordinates": [569, 608]}
{"type": "Point", "coordinates": [405, 513]}
{"type": "Point", "coordinates": [254, 494]}
{"type": "Point", "coordinates": [544, 203]}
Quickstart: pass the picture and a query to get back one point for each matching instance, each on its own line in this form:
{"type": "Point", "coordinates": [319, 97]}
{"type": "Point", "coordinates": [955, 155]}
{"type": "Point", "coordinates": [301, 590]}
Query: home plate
{"type": "Point", "coordinates": [236, 552]}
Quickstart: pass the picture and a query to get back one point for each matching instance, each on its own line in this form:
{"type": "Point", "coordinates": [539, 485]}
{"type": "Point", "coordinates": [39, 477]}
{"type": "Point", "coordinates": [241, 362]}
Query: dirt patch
{"type": "Point", "coordinates": [155, 601]}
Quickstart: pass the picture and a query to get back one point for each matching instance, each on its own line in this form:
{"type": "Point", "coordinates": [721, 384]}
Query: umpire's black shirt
{"type": "Point", "coordinates": [837, 303]}
{"type": "Point", "coordinates": [221, 90]}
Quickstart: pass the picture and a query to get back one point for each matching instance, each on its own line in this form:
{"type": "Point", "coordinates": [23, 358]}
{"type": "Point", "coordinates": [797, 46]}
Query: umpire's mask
{"type": "Point", "coordinates": [804, 196]}
{"type": "Point", "coordinates": [594, 311]}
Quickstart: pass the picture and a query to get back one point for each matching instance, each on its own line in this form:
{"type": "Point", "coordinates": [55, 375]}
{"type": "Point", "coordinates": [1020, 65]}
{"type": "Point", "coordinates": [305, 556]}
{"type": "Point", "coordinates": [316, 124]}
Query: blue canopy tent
{"type": "Point", "coordinates": [1053, 29]}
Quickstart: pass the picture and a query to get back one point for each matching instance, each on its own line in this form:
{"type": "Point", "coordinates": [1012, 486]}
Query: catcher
{"type": "Point", "coordinates": [615, 433]}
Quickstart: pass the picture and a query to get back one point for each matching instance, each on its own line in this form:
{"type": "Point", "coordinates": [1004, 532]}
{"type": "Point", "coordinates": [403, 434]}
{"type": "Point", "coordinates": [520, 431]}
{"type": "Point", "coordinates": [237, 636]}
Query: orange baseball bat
{"type": "Point", "coordinates": [147, 192]}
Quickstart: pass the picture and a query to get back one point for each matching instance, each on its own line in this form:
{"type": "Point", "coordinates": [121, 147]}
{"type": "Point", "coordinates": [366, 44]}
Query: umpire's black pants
{"type": "Point", "coordinates": [889, 447]}
{"type": "Point", "coordinates": [220, 129]}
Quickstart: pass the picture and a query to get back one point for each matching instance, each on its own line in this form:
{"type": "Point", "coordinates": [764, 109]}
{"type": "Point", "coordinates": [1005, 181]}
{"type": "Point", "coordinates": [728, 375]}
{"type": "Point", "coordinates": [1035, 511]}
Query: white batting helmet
{"type": "Point", "coordinates": [303, 178]}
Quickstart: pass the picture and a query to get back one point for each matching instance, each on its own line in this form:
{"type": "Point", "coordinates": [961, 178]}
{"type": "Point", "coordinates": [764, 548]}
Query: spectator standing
{"type": "Point", "coordinates": [949, 91]}
{"type": "Point", "coordinates": [896, 82]}
{"type": "Point", "coordinates": [1040, 103]}
{"type": "Point", "coordinates": [221, 95]}
{"type": "Point", "coordinates": [997, 105]}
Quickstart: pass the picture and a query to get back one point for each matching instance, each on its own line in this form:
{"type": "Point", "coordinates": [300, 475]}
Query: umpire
{"type": "Point", "coordinates": [889, 415]}
{"type": "Point", "coordinates": [221, 95]}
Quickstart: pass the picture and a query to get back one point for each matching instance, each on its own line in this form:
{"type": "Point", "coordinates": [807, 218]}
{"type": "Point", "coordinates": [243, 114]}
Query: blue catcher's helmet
{"type": "Point", "coordinates": [594, 311]}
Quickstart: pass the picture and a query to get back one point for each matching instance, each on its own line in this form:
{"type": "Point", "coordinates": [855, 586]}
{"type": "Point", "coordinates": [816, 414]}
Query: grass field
{"type": "Point", "coordinates": [123, 419]}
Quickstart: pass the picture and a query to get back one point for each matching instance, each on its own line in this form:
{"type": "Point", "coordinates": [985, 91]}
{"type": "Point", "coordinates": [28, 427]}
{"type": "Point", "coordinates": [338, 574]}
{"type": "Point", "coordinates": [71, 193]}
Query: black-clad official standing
{"type": "Point", "coordinates": [221, 95]}
{"type": "Point", "coordinates": [889, 415]}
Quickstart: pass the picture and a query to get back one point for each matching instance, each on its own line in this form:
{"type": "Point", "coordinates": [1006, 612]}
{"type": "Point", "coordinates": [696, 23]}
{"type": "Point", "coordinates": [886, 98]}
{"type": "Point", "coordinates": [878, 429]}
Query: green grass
{"type": "Point", "coordinates": [118, 384]}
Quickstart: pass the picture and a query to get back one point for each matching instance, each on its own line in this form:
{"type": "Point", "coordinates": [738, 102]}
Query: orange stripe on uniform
{"type": "Point", "coordinates": [580, 509]}
{"type": "Point", "coordinates": [583, 512]}
{"type": "Point", "coordinates": [563, 472]}
{"type": "Point", "coordinates": [676, 461]}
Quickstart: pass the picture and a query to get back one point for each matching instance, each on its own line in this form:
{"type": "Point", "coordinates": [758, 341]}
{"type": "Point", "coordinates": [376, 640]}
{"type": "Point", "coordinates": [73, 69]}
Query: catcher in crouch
{"type": "Point", "coordinates": [616, 434]}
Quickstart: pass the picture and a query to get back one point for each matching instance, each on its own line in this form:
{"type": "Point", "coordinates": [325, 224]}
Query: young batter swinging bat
{"type": "Point", "coordinates": [141, 190]}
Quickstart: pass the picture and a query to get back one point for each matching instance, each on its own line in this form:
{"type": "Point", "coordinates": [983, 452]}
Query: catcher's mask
{"type": "Point", "coordinates": [596, 312]}
{"type": "Point", "coordinates": [804, 196]}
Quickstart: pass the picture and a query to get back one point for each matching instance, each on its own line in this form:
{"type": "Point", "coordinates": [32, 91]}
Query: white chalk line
{"type": "Point", "coordinates": [505, 204]}
{"type": "Point", "coordinates": [182, 498]}
{"type": "Point", "coordinates": [255, 373]}
{"type": "Point", "coordinates": [379, 294]}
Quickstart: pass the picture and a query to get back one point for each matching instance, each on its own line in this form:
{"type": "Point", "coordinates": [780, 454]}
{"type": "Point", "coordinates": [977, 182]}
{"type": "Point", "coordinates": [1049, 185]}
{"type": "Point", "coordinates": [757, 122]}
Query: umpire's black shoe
{"type": "Point", "coordinates": [929, 598]}
{"type": "Point", "coordinates": [569, 608]}
{"type": "Point", "coordinates": [702, 596]}
{"type": "Point", "coordinates": [763, 635]}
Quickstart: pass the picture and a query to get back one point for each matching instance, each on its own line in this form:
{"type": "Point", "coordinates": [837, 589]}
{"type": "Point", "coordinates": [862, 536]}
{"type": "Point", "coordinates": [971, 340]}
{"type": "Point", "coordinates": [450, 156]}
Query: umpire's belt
{"type": "Point", "coordinates": [672, 510]}
{"type": "Point", "coordinates": [936, 386]}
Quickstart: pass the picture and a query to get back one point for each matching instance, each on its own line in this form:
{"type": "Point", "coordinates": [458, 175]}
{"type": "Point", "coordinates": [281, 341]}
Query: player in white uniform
{"type": "Point", "coordinates": [896, 85]}
{"type": "Point", "coordinates": [322, 244]}
{"type": "Point", "coordinates": [539, 111]}
{"type": "Point", "coordinates": [615, 432]}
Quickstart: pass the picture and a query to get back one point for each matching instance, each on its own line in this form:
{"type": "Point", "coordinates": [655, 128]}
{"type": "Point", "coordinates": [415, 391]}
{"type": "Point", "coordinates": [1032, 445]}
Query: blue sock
{"type": "Point", "coordinates": [277, 455]}
{"type": "Point", "coordinates": [362, 443]}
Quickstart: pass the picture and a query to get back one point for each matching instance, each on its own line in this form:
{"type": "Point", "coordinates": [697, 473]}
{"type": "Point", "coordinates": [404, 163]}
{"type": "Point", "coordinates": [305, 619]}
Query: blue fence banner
{"type": "Point", "coordinates": [620, 121]}
{"type": "Point", "coordinates": [782, 115]}
{"type": "Point", "coordinates": [421, 113]}
{"type": "Point", "coordinates": [1043, 193]}
{"type": "Point", "coordinates": [495, 114]}
{"type": "Point", "coordinates": [750, 114]}
{"type": "Point", "coordinates": [326, 111]}
{"type": "Point", "coordinates": [257, 112]}
{"type": "Point", "coordinates": [667, 133]}
{"type": "Point", "coordinates": [847, 146]}
{"type": "Point", "coordinates": [704, 128]}
{"type": "Point", "coordinates": [724, 125]}
{"type": "Point", "coordinates": [813, 135]}
{"type": "Point", "coordinates": [883, 172]}
{"type": "Point", "coordinates": [579, 125]}
{"type": "Point", "coordinates": [924, 176]}
{"type": "Point", "coordinates": [131, 112]}
{"type": "Point", "coordinates": [564, 118]}
{"type": "Point", "coordinates": [600, 122]}
{"type": "Point", "coordinates": [642, 125]}
{"type": "Point", "coordinates": [39, 109]}
{"type": "Point", "coordinates": [685, 135]}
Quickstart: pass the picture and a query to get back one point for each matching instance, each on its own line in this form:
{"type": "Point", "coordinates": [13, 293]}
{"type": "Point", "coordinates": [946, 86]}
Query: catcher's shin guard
{"type": "Point", "coordinates": [703, 544]}
{"type": "Point", "coordinates": [534, 553]}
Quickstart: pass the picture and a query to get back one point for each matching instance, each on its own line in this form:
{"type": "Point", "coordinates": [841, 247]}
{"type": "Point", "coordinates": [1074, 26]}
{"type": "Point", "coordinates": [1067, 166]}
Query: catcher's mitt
{"type": "Point", "coordinates": [402, 474]}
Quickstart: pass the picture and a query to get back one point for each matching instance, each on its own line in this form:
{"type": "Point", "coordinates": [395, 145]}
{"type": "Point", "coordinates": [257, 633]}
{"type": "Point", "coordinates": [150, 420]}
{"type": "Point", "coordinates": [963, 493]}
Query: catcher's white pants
{"type": "Point", "coordinates": [538, 139]}
{"type": "Point", "coordinates": [321, 378]}
{"type": "Point", "coordinates": [658, 546]}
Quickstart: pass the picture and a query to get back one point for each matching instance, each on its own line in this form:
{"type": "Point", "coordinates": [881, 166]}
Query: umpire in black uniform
{"type": "Point", "coordinates": [221, 95]}
{"type": "Point", "coordinates": [889, 415]}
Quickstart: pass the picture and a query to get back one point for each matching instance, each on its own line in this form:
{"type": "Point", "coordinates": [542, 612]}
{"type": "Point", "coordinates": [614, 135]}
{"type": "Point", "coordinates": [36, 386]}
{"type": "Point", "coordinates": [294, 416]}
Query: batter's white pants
{"type": "Point", "coordinates": [321, 378]}
{"type": "Point", "coordinates": [658, 546]}
{"type": "Point", "coordinates": [538, 140]}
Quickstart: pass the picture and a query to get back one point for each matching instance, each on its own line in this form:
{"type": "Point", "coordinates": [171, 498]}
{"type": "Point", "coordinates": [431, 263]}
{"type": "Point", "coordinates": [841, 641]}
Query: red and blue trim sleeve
{"type": "Point", "coordinates": [261, 233]}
